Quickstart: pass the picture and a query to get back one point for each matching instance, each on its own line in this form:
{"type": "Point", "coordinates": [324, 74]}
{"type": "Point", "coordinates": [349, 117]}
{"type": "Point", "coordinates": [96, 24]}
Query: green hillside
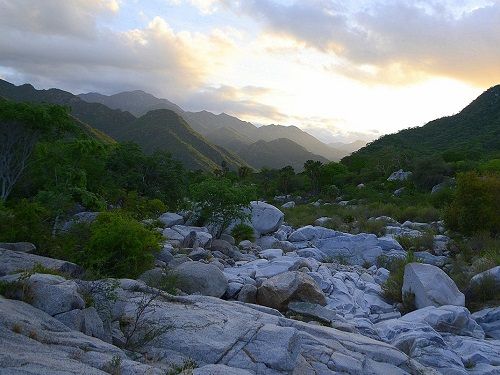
{"type": "Point", "coordinates": [472, 134]}
{"type": "Point", "coordinates": [161, 130]}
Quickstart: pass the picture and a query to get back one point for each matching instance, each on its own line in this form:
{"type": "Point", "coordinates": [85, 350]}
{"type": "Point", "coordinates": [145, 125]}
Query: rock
{"type": "Point", "coordinates": [450, 319]}
{"type": "Point", "coordinates": [33, 342]}
{"type": "Point", "coordinates": [267, 242]}
{"type": "Point", "coordinates": [196, 277]}
{"type": "Point", "coordinates": [199, 234]}
{"type": "Point", "coordinates": [312, 252]}
{"type": "Point", "coordinates": [290, 204]}
{"type": "Point", "coordinates": [271, 253]}
{"type": "Point", "coordinates": [86, 321]}
{"type": "Point", "coordinates": [170, 219]}
{"type": "Point", "coordinates": [322, 221]}
{"type": "Point", "coordinates": [80, 218]}
{"type": "Point", "coordinates": [422, 227]}
{"type": "Point", "coordinates": [315, 311]}
{"type": "Point", "coordinates": [219, 370]}
{"type": "Point", "coordinates": [15, 261]}
{"type": "Point", "coordinates": [228, 238]}
{"type": "Point", "coordinates": [23, 247]}
{"type": "Point", "coordinates": [360, 186]}
{"type": "Point", "coordinates": [245, 245]}
{"type": "Point", "coordinates": [247, 337]}
{"type": "Point", "coordinates": [428, 258]}
{"type": "Point", "coordinates": [199, 253]}
{"type": "Point", "coordinates": [381, 275]}
{"type": "Point", "coordinates": [283, 232]}
{"type": "Point", "coordinates": [248, 294]}
{"type": "Point", "coordinates": [399, 192]}
{"type": "Point", "coordinates": [279, 290]}
{"type": "Point", "coordinates": [399, 175]}
{"type": "Point", "coordinates": [233, 289]}
{"type": "Point", "coordinates": [489, 320]}
{"type": "Point", "coordinates": [265, 218]}
{"type": "Point", "coordinates": [165, 254]}
{"type": "Point", "coordinates": [50, 293]}
{"type": "Point", "coordinates": [492, 273]}
{"type": "Point", "coordinates": [310, 233]}
{"type": "Point", "coordinates": [431, 286]}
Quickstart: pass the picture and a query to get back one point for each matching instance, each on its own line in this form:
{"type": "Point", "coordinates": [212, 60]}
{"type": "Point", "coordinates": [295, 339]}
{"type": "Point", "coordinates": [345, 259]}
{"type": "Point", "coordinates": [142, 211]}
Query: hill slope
{"type": "Point", "coordinates": [136, 102]}
{"type": "Point", "coordinates": [471, 134]}
{"type": "Point", "coordinates": [164, 130]}
{"type": "Point", "coordinates": [278, 153]}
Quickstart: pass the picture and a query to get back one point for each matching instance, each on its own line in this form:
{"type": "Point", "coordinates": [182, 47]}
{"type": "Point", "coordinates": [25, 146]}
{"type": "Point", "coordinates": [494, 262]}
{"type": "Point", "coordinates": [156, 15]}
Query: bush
{"type": "Point", "coordinates": [392, 288]}
{"type": "Point", "coordinates": [421, 243]}
{"type": "Point", "coordinates": [119, 246]}
{"type": "Point", "coordinates": [243, 232]}
{"type": "Point", "coordinates": [476, 204]}
{"type": "Point", "coordinates": [221, 202]}
{"type": "Point", "coordinates": [484, 292]}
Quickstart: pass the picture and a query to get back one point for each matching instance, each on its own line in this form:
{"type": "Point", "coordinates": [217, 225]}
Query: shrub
{"type": "Point", "coordinates": [392, 288]}
{"type": "Point", "coordinates": [119, 246]}
{"type": "Point", "coordinates": [483, 292]}
{"type": "Point", "coordinates": [243, 232]}
{"type": "Point", "coordinates": [420, 243]}
{"type": "Point", "coordinates": [476, 204]}
{"type": "Point", "coordinates": [221, 202]}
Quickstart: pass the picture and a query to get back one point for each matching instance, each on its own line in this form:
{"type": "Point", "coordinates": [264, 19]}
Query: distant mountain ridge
{"type": "Point", "coordinates": [157, 130]}
{"type": "Point", "coordinates": [239, 135]}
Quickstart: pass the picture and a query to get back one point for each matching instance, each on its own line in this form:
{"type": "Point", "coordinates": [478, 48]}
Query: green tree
{"type": "Point", "coordinates": [476, 204]}
{"type": "Point", "coordinates": [285, 177]}
{"type": "Point", "coordinates": [221, 202]}
{"type": "Point", "coordinates": [22, 126]}
{"type": "Point", "coordinates": [313, 170]}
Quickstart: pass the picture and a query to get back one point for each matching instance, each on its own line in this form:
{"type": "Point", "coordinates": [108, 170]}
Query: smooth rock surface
{"type": "Point", "coordinates": [431, 286]}
{"type": "Point", "coordinates": [205, 279]}
{"type": "Point", "coordinates": [265, 217]}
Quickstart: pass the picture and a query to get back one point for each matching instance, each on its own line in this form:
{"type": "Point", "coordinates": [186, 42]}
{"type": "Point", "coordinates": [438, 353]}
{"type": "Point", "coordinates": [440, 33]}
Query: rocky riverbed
{"type": "Point", "coordinates": [295, 301]}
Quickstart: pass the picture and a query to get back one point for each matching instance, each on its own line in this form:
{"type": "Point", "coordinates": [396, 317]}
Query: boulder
{"type": "Point", "coordinates": [489, 320]}
{"type": "Point", "coordinates": [265, 217]}
{"type": "Point", "coordinates": [271, 253]}
{"type": "Point", "coordinates": [86, 321]}
{"type": "Point", "coordinates": [170, 219]}
{"type": "Point", "coordinates": [205, 279]}
{"type": "Point", "coordinates": [431, 286]}
{"type": "Point", "coordinates": [50, 293]}
{"type": "Point", "coordinates": [15, 261]}
{"type": "Point", "coordinates": [281, 289]}
{"type": "Point", "coordinates": [290, 204]}
{"type": "Point", "coordinates": [248, 294]}
{"type": "Point", "coordinates": [23, 247]}
{"type": "Point", "coordinates": [322, 221]}
{"type": "Point", "coordinates": [192, 236]}
{"type": "Point", "coordinates": [492, 273]}
{"type": "Point", "coordinates": [399, 175]}
{"type": "Point", "coordinates": [80, 218]}
{"type": "Point", "coordinates": [451, 319]}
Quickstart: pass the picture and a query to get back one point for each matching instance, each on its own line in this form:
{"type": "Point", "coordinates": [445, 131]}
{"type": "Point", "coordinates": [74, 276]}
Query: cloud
{"type": "Point", "coordinates": [428, 37]}
{"type": "Point", "coordinates": [83, 55]}
{"type": "Point", "coordinates": [238, 101]}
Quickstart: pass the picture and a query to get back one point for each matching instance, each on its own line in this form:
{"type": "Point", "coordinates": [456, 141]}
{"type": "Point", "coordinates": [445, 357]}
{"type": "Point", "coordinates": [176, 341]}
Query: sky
{"type": "Point", "coordinates": [342, 70]}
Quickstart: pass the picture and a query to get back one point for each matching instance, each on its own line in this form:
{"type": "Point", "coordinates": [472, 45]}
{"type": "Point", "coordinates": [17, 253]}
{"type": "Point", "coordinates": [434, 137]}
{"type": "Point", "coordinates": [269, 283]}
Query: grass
{"type": "Point", "coordinates": [302, 215]}
{"type": "Point", "coordinates": [424, 242]}
{"type": "Point", "coordinates": [187, 365]}
{"type": "Point", "coordinates": [485, 292]}
{"type": "Point", "coordinates": [392, 288]}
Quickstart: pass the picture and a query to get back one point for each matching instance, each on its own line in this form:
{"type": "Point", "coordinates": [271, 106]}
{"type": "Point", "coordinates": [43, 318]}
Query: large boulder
{"type": "Point", "coordinates": [191, 236]}
{"type": "Point", "coordinates": [492, 273]}
{"type": "Point", "coordinates": [265, 217]}
{"type": "Point", "coordinates": [489, 320]}
{"type": "Point", "coordinates": [15, 261]}
{"type": "Point", "coordinates": [399, 175]}
{"type": "Point", "coordinates": [431, 286]}
{"type": "Point", "coordinates": [201, 278]}
{"type": "Point", "coordinates": [50, 293]}
{"type": "Point", "coordinates": [24, 247]}
{"type": "Point", "coordinates": [450, 319]}
{"type": "Point", "coordinates": [281, 289]}
{"type": "Point", "coordinates": [85, 217]}
{"type": "Point", "coordinates": [170, 219]}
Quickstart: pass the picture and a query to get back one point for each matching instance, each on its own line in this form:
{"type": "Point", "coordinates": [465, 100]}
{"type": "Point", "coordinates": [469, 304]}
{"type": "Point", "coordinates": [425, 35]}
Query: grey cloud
{"type": "Point", "coordinates": [427, 36]}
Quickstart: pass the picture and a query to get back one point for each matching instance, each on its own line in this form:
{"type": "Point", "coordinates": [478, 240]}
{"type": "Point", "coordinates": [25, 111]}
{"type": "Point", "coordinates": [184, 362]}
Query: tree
{"type": "Point", "coordinates": [313, 171]}
{"type": "Point", "coordinates": [22, 125]}
{"type": "Point", "coordinates": [244, 172]}
{"type": "Point", "coordinates": [221, 202]}
{"type": "Point", "coordinates": [285, 175]}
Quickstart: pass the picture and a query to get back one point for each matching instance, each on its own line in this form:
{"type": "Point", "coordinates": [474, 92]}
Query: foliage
{"type": "Point", "coordinates": [22, 125]}
{"type": "Point", "coordinates": [482, 293]}
{"type": "Point", "coordinates": [392, 288]}
{"type": "Point", "coordinates": [429, 171]}
{"type": "Point", "coordinates": [476, 204]}
{"type": "Point", "coordinates": [418, 243]}
{"type": "Point", "coordinates": [242, 232]}
{"type": "Point", "coordinates": [221, 202]}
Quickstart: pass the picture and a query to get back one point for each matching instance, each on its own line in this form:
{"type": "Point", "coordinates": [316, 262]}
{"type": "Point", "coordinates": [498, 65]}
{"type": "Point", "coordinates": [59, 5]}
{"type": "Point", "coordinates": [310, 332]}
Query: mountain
{"type": "Point", "coordinates": [277, 153]}
{"type": "Point", "coordinates": [209, 124]}
{"type": "Point", "coordinates": [136, 102]}
{"type": "Point", "coordinates": [473, 133]}
{"type": "Point", "coordinates": [162, 130]}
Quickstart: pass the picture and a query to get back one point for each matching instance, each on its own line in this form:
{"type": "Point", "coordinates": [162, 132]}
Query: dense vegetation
{"type": "Point", "coordinates": [72, 167]}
